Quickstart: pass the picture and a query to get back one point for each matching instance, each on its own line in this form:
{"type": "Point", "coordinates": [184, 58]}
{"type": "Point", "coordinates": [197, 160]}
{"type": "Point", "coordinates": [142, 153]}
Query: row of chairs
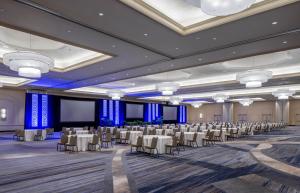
{"type": "Point", "coordinates": [20, 134]}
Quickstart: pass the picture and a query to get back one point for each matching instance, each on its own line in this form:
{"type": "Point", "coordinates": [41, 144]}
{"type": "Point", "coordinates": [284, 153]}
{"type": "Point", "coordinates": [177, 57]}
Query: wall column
{"type": "Point", "coordinates": [282, 111]}
{"type": "Point", "coordinates": [228, 112]}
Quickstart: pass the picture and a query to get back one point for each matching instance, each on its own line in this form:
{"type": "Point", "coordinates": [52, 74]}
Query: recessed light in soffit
{"type": "Point", "coordinates": [186, 19]}
{"type": "Point", "coordinates": [66, 57]}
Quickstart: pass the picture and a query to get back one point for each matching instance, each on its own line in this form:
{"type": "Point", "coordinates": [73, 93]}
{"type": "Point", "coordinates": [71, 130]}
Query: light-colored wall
{"type": "Point", "coordinates": [294, 112]}
{"type": "Point", "coordinates": [208, 112]}
{"type": "Point", "coordinates": [258, 111]}
{"type": "Point", "coordinates": [14, 102]}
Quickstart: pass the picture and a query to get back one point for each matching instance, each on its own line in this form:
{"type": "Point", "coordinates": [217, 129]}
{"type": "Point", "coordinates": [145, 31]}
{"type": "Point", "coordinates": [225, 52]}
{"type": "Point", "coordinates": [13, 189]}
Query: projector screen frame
{"type": "Point", "coordinates": [96, 118]}
{"type": "Point", "coordinates": [169, 121]}
{"type": "Point", "coordinates": [133, 119]}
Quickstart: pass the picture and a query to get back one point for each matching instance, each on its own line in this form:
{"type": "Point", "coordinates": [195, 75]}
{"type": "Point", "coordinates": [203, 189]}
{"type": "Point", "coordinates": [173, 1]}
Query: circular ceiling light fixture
{"type": "Point", "coordinates": [246, 102]}
{"type": "Point", "coordinates": [28, 64]}
{"type": "Point", "coordinates": [167, 88]}
{"type": "Point", "coordinates": [220, 98]}
{"type": "Point", "coordinates": [283, 94]}
{"type": "Point", "coordinates": [115, 94]}
{"type": "Point", "coordinates": [196, 104]}
{"type": "Point", "coordinates": [224, 7]}
{"type": "Point", "coordinates": [175, 100]}
{"type": "Point", "coordinates": [254, 78]}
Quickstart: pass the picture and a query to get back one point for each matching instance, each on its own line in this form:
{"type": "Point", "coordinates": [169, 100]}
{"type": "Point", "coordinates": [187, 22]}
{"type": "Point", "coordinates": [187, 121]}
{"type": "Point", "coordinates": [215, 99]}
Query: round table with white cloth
{"type": "Point", "coordinates": [161, 142]}
{"type": "Point", "coordinates": [30, 133]}
{"type": "Point", "coordinates": [190, 135]}
{"type": "Point", "coordinates": [82, 141]}
{"type": "Point", "coordinates": [133, 136]}
{"type": "Point", "coordinates": [167, 131]}
{"type": "Point", "coordinates": [78, 132]}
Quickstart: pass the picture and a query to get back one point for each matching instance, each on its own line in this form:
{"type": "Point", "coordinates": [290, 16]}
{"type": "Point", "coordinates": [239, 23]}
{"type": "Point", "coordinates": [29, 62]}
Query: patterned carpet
{"type": "Point", "coordinates": [36, 167]}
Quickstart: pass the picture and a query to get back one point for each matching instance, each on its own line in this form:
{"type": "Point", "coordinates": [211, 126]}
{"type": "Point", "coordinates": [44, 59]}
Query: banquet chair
{"type": "Point", "coordinates": [209, 138]}
{"type": "Point", "coordinates": [72, 144]}
{"type": "Point", "coordinates": [173, 146]}
{"type": "Point", "coordinates": [127, 137]}
{"type": "Point", "coordinates": [153, 146]}
{"type": "Point", "coordinates": [145, 131]}
{"type": "Point", "coordinates": [39, 135]}
{"type": "Point", "coordinates": [86, 128]}
{"type": "Point", "coordinates": [193, 141]}
{"type": "Point", "coordinates": [107, 139]}
{"type": "Point", "coordinates": [63, 142]}
{"type": "Point", "coordinates": [181, 140]}
{"type": "Point", "coordinates": [92, 146]}
{"type": "Point", "coordinates": [163, 132]}
{"type": "Point", "coordinates": [139, 144]}
{"type": "Point", "coordinates": [230, 135]}
{"type": "Point", "coordinates": [219, 137]}
{"type": "Point", "coordinates": [117, 137]}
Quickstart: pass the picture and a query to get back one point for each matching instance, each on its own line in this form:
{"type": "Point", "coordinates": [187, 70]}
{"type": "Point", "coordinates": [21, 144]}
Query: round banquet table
{"type": "Point", "coordinates": [79, 132]}
{"type": "Point", "coordinates": [30, 133]}
{"type": "Point", "coordinates": [133, 136]}
{"type": "Point", "coordinates": [190, 135]}
{"type": "Point", "coordinates": [161, 142]}
{"type": "Point", "coordinates": [82, 141]}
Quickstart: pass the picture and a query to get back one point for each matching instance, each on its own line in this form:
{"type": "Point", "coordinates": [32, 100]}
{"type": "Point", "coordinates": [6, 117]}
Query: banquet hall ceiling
{"type": "Point", "coordinates": [140, 46]}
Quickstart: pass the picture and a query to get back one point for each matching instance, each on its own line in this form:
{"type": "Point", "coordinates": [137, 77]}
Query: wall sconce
{"type": "Point", "coordinates": [3, 114]}
{"type": "Point", "coordinates": [201, 115]}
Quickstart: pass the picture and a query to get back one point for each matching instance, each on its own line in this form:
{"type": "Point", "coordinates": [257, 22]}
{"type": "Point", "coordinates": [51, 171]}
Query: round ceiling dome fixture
{"type": "Point", "coordinates": [167, 88]}
{"type": "Point", "coordinates": [28, 64]}
{"type": "Point", "coordinates": [224, 7]}
{"type": "Point", "coordinates": [175, 100]}
{"type": "Point", "coordinates": [115, 94]}
{"type": "Point", "coordinates": [220, 98]}
{"type": "Point", "coordinates": [283, 94]}
{"type": "Point", "coordinates": [254, 78]}
{"type": "Point", "coordinates": [246, 102]}
{"type": "Point", "coordinates": [196, 104]}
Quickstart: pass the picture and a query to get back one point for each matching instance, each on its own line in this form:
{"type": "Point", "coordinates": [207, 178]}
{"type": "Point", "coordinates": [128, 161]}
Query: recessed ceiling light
{"type": "Point", "coordinates": [234, 52]}
{"type": "Point", "coordinates": [197, 38]}
{"type": "Point", "coordinates": [172, 65]}
{"type": "Point", "coordinates": [176, 48]}
{"type": "Point", "coordinates": [284, 42]}
{"type": "Point", "coordinates": [149, 69]}
{"type": "Point", "coordinates": [127, 74]}
{"type": "Point", "coordinates": [146, 56]}
{"type": "Point", "coordinates": [274, 23]}
{"type": "Point", "coordinates": [69, 31]}
{"type": "Point", "coordinates": [101, 14]}
{"type": "Point", "coordinates": [113, 46]}
{"type": "Point", "coordinates": [199, 59]}
{"type": "Point", "coordinates": [146, 34]}
{"type": "Point", "coordinates": [214, 38]}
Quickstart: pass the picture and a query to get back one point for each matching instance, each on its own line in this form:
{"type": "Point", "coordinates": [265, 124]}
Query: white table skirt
{"type": "Point", "coordinates": [161, 142]}
{"type": "Point", "coordinates": [167, 131]}
{"type": "Point", "coordinates": [78, 132]}
{"type": "Point", "coordinates": [82, 141]}
{"type": "Point", "coordinates": [133, 136]}
{"type": "Point", "coordinates": [30, 133]}
{"type": "Point", "coordinates": [190, 135]}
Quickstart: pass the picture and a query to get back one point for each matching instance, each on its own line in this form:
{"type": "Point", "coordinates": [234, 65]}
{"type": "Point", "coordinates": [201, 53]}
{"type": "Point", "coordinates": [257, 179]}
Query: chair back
{"type": "Point", "coordinates": [95, 139]}
{"type": "Point", "coordinates": [73, 140]}
{"type": "Point", "coordinates": [174, 140]}
{"type": "Point", "coordinates": [127, 136]}
{"type": "Point", "coordinates": [163, 132]}
{"type": "Point", "coordinates": [181, 138]}
{"type": "Point", "coordinates": [39, 132]}
{"type": "Point", "coordinates": [118, 135]}
{"type": "Point", "coordinates": [220, 132]}
{"type": "Point", "coordinates": [195, 136]}
{"type": "Point", "coordinates": [154, 142]}
{"type": "Point", "coordinates": [114, 131]}
{"type": "Point", "coordinates": [108, 137]}
{"type": "Point", "coordinates": [139, 141]}
{"type": "Point", "coordinates": [22, 133]}
{"type": "Point", "coordinates": [211, 135]}
{"type": "Point", "coordinates": [64, 139]}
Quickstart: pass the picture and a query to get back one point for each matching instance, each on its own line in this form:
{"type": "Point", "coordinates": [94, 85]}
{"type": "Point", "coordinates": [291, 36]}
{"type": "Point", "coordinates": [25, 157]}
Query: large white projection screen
{"type": "Point", "coordinates": [170, 113]}
{"type": "Point", "coordinates": [134, 111]}
{"type": "Point", "coordinates": [77, 111]}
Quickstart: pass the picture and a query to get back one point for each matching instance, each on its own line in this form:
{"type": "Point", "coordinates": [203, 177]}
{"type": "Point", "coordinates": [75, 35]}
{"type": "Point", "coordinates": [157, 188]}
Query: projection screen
{"type": "Point", "coordinates": [77, 111]}
{"type": "Point", "coordinates": [170, 113]}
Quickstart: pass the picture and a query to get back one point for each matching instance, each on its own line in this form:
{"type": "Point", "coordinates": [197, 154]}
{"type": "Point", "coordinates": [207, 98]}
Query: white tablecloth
{"type": "Point", "coordinates": [133, 136]}
{"type": "Point", "coordinates": [82, 141]}
{"type": "Point", "coordinates": [190, 135]}
{"type": "Point", "coordinates": [78, 132]}
{"type": "Point", "coordinates": [167, 131]}
{"type": "Point", "coordinates": [30, 133]}
{"type": "Point", "coordinates": [161, 142]}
